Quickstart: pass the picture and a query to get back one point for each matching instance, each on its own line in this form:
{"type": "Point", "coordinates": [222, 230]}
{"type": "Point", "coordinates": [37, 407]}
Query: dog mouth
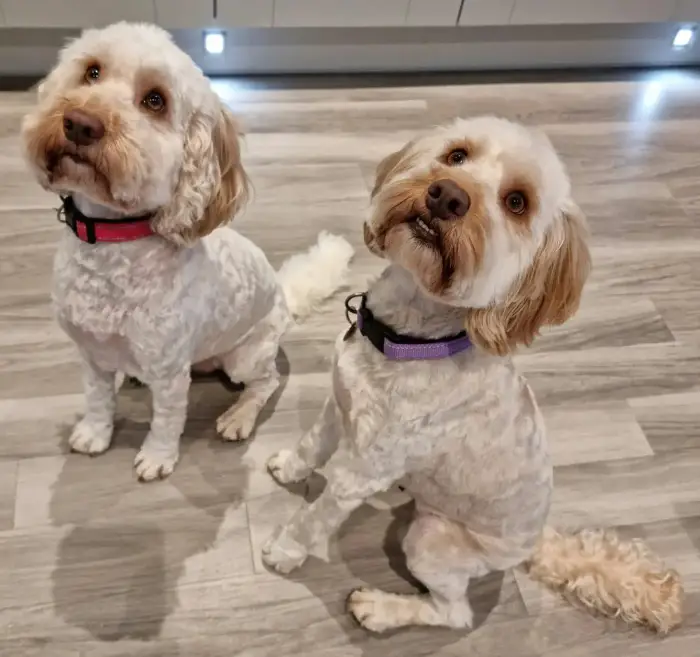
{"type": "Point", "coordinates": [73, 167]}
{"type": "Point", "coordinates": [57, 158]}
{"type": "Point", "coordinates": [424, 229]}
{"type": "Point", "coordinates": [69, 170]}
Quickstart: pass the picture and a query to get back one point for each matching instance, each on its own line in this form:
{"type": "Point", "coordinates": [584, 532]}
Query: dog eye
{"type": "Point", "coordinates": [154, 101]}
{"type": "Point", "coordinates": [516, 202]}
{"type": "Point", "coordinates": [456, 157]}
{"type": "Point", "coordinates": [92, 73]}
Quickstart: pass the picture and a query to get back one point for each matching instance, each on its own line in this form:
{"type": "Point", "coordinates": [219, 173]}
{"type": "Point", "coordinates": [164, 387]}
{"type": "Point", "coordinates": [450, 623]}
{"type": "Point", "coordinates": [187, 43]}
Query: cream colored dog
{"type": "Point", "coordinates": [149, 281]}
{"type": "Point", "coordinates": [478, 223]}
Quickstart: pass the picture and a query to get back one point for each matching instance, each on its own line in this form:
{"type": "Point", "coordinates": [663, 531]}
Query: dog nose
{"type": "Point", "coordinates": [447, 200]}
{"type": "Point", "coordinates": [82, 128]}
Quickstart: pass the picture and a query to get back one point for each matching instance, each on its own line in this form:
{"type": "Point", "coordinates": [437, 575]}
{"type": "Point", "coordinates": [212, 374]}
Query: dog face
{"type": "Point", "coordinates": [127, 120]}
{"type": "Point", "coordinates": [480, 213]}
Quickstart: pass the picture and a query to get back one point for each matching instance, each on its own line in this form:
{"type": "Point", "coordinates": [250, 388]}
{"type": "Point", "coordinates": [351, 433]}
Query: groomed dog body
{"type": "Point", "coordinates": [128, 126]}
{"type": "Point", "coordinates": [477, 221]}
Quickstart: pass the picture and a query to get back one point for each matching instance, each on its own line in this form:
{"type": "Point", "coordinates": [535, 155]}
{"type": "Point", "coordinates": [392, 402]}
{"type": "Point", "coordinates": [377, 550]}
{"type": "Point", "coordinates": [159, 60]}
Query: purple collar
{"type": "Point", "coordinates": [398, 346]}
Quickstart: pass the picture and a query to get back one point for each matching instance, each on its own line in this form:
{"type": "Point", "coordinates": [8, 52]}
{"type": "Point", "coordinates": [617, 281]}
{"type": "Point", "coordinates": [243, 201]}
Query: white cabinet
{"type": "Point", "coordinates": [181, 14]}
{"type": "Point", "coordinates": [245, 13]}
{"type": "Point", "coordinates": [433, 12]}
{"type": "Point", "coordinates": [687, 10]}
{"type": "Point", "coordinates": [198, 14]}
{"type": "Point", "coordinates": [74, 13]}
{"type": "Point", "coordinates": [340, 13]}
{"type": "Point", "coordinates": [487, 12]}
{"type": "Point", "coordinates": [539, 12]}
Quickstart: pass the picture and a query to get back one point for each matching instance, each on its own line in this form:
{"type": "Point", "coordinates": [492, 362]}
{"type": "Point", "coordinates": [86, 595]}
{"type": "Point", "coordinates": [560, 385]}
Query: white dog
{"type": "Point", "coordinates": [477, 221]}
{"type": "Point", "coordinates": [131, 132]}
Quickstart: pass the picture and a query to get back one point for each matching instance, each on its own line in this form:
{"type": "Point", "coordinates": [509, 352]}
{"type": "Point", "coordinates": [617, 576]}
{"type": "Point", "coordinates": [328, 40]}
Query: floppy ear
{"type": "Point", "coordinates": [547, 294]}
{"type": "Point", "coordinates": [371, 241]}
{"type": "Point", "coordinates": [389, 165]}
{"type": "Point", "coordinates": [212, 185]}
{"type": "Point", "coordinates": [39, 88]}
{"type": "Point", "coordinates": [48, 85]}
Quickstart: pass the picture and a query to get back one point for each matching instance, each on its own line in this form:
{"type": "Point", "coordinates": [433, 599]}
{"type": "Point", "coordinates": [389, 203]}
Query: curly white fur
{"type": "Point", "coordinates": [463, 434]}
{"type": "Point", "coordinates": [196, 295]}
{"type": "Point", "coordinates": [299, 274]}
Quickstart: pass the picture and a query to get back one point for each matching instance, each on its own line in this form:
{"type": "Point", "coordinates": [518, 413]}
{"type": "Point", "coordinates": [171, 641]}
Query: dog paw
{"type": "Point", "coordinates": [150, 465]}
{"type": "Point", "coordinates": [237, 423]}
{"type": "Point", "coordinates": [283, 554]}
{"type": "Point", "coordinates": [378, 611]}
{"type": "Point", "coordinates": [372, 609]}
{"type": "Point", "coordinates": [90, 438]}
{"type": "Point", "coordinates": [287, 468]}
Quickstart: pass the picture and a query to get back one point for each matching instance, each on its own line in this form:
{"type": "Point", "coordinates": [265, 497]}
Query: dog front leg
{"type": "Point", "coordinates": [93, 434]}
{"type": "Point", "coordinates": [314, 449]}
{"type": "Point", "coordinates": [351, 481]}
{"type": "Point", "coordinates": [161, 449]}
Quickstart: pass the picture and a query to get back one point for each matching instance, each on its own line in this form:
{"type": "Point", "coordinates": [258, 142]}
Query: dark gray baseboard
{"type": "Point", "coordinates": [32, 52]}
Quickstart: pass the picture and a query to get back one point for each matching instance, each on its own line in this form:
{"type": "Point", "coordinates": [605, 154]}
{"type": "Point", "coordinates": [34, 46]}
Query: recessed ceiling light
{"type": "Point", "coordinates": [214, 42]}
{"type": "Point", "coordinates": [684, 37]}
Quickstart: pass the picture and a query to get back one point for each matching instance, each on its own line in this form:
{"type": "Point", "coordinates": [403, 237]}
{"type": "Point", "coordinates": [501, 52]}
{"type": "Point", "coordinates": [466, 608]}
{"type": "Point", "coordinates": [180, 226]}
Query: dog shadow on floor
{"type": "Point", "coordinates": [368, 554]}
{"type": "Point", "coordinates": [126, 542]}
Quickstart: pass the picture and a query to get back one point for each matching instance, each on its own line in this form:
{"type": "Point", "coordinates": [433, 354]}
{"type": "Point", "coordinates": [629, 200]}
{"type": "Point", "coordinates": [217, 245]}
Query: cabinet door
{"type": "Point", "coordinates": [486, 12]}
{"type": "Point", "coordinates": [75, 13]}
{"type": "Point", "coordinates": [433, 12]}
{"type": "Point", "coordinates": [180, 14]}
{"type": "Point", "coordinates": [538, 12]}
{"type": "Point", "coordinates": [244, 13]}
{"type": "Point", "coordinates": [340, 13]}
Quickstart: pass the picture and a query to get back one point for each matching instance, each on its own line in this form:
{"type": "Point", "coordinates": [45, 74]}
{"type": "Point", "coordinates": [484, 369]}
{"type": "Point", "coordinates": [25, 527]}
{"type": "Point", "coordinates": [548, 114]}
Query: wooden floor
{"type": "Point", "coordinates": [94, 564]}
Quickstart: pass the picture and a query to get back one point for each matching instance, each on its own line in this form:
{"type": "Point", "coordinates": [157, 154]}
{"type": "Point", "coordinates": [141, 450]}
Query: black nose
{"type": "Point", "coordinates": [81, 128]}
{"type": "Point", "coordinates": [447, 200]}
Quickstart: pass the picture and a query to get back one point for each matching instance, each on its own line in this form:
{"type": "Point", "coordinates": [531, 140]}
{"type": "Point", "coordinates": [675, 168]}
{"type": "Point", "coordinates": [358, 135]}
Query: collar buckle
{"type": "Point", "coordinates": [67, 215]}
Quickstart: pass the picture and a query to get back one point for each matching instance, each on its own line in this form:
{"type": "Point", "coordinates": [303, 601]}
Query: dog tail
{"type": "Point", "coordinates": [609, 576]}
{"type": "Point", "coordinates": [311, 277]}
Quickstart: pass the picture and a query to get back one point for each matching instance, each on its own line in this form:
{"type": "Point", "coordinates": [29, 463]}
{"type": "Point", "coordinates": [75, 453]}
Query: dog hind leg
{"type": "Point", "coordinates": [440, 554]}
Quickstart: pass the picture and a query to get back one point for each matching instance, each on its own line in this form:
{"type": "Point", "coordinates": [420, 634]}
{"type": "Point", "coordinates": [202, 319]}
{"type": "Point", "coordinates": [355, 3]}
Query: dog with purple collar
{"type": "Point", "coordinates": [485, 247]}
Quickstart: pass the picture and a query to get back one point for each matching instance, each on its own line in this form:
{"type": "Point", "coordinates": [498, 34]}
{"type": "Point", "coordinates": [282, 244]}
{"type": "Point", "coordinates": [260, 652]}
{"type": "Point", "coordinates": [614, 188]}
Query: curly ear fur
{"type": "Point", "coordinates": [212, 185]}
{"type": "Point", "coordinates": [547, 294]}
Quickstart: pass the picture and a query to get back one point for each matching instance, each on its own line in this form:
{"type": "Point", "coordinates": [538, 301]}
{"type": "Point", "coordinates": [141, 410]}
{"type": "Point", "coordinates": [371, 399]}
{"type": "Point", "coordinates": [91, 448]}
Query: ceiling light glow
{"type": "Point", "coordinates": [684, 37]}
{"type": "Point", "coordinates": [214, 42]}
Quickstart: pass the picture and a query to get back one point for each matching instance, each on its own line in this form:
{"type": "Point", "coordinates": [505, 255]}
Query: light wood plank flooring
{"type": "Point", "coordinates": [94, 564]}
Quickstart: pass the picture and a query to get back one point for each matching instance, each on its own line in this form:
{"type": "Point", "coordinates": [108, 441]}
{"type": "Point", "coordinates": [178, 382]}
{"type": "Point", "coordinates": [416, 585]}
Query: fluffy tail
{"type": "Point", "coordinates": [311, 277]}
{"type": "Point", "coordinates": [616, 578]}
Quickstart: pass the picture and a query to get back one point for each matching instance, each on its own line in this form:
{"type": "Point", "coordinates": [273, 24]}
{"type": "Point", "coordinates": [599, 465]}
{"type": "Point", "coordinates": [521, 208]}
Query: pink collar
{"type": "Point", "coordinates": [92, 230]}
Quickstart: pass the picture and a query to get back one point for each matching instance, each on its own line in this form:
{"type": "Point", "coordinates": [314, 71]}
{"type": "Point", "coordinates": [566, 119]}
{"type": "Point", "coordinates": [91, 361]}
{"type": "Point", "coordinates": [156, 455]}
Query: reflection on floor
{"type": "Point", "coordinates": [92, 563]}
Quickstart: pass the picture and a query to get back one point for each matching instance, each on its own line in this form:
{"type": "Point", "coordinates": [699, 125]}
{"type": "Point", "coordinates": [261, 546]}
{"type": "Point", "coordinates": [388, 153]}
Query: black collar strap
{"type": "Point", "coordinates": [399, 346]}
